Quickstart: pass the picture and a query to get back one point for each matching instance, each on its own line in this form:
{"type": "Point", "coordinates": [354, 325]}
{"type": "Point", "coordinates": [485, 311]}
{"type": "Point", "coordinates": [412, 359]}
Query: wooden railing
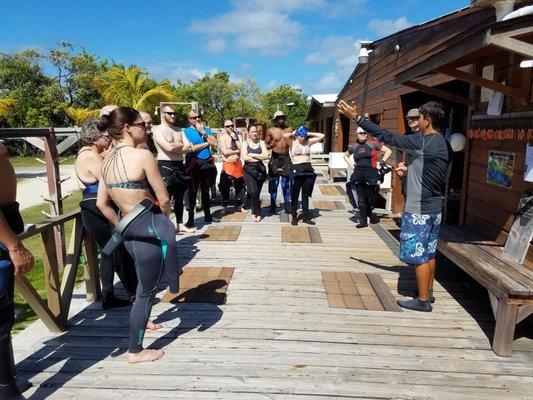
{"type": "Point", "coordinates": [54, 311]}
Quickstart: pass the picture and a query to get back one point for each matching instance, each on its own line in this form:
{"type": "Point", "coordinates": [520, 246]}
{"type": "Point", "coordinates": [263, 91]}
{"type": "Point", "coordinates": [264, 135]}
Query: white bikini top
{"type": "Point", "coordinates": [300, 150]}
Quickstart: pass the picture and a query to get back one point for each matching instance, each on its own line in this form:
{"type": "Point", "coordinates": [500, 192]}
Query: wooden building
{"type": "Point", "coordinates": [320, 116]}
{"type": "Point", "coordinates": [459, 59]}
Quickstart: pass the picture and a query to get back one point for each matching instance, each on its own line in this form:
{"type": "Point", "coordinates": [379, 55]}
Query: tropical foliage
{"type": "Point", "coordinates": [67, 85]}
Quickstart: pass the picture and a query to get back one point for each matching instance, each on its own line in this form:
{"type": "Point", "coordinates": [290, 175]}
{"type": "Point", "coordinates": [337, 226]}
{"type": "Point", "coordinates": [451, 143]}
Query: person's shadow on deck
{"type": "Point", "coordinates": [74, 352]}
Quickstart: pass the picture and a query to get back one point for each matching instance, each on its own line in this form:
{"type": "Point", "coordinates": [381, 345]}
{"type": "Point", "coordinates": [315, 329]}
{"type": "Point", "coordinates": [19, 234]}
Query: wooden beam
{"type": "Point", "coordinates": [66, 144]}
{"type": "Point", "coordinates": [60, 219]}
{"type": "Point", "coordinates": [36, 303]}
{"type": "Point", "coordinates": [440, 93]}
{"type": "Point", "coordinates": [524, 312]}
{"type": "Point", "coordinates": [70, 269]}
{"type": "Point", "coordinates": [444, 57]}
{"type": "Point", "coordinates": [35, 141]}
{"type": "Point", "coordinates": [480, 81]}
{"type": "Point", "coordinates": [514, 45]}
{"type": "Point", "coordinates": [51, 271]}
{"type": "Point", "coordinates": [92, 278]}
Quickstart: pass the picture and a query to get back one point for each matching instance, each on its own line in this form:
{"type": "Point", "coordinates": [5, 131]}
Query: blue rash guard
{"type": "Point", "coordinates": [195, 137]}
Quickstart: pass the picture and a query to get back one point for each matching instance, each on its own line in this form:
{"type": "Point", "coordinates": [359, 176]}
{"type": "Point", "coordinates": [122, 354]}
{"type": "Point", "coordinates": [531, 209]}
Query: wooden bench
{"type": "Point", "coordinates": [509, 284]}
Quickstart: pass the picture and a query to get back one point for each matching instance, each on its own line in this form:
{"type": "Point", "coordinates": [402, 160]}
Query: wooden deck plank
{"type": "Point", "coordinates": [278, 336]}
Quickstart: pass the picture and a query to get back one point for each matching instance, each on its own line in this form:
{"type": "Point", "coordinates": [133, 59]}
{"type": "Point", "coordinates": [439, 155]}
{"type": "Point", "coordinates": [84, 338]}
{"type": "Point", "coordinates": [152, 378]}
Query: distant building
{"type": "Point", "coordinates": [321, 108]}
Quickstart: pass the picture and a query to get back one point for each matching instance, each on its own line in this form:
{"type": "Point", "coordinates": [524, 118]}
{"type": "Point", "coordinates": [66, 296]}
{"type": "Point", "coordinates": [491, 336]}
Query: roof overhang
{"type": "Point", "coordinates": [314, 104]}
{"type": "Point", "coordinates": [513, 35]}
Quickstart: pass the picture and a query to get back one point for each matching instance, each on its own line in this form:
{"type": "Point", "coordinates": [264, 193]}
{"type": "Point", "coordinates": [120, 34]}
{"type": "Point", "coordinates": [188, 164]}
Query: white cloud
{"type": "Point", "coordinates": [174, 71]}
{"type": "Point", "coordinates": [386, 27]}
{"type": "Point", "coordinates": [216, 45]}
{"type": "Point", "coordinates": [268, 27]}
{"type": "Point", "coordinates": [339, 52]}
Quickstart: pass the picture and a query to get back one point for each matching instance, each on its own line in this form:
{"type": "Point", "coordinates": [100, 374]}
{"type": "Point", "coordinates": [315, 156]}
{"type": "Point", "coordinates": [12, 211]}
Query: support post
{"type": "Point", "coordinates": [506, 317]}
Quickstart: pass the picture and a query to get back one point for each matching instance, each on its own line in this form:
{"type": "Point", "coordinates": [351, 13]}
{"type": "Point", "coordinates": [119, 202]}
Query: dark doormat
{"type": "Point", "coordinates": [300, 234]}
{"type": "Point", "coordinates": [358, 291]}
{"type": "Point", "coordinates": [221, 233]}
{"type": "Point", "coordinates": [202, 285]}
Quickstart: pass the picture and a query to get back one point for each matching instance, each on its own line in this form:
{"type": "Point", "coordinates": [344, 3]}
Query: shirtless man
{"type": "Point", "coordinates": [280, 161]}
{"type": "Point", "coordinates": [170, 144]}
{"type": "Point", "coordinates": [230, 144]}
{"type": "Point", "coordinates": [15, 260]}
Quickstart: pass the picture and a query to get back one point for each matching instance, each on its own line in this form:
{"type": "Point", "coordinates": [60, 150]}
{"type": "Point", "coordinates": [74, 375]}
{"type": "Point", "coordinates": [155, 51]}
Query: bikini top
{"type": "Point", "coordinates": [90, 188]}
{"type": "Point", "coordinates": [300, 150]}
{"type": "Point", "coordinates": [233, 144]}
{"type": "Point", "coordinates": [254, 151]}
{"type": "Point", "coordinates": [142, 184]}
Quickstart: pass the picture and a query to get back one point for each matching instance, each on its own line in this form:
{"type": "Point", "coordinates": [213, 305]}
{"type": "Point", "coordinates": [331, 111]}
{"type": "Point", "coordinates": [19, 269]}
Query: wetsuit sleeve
{"type": "Point", "coordinates": [351, 150]}
{"type": "Point", "coordinates": [403, 142]}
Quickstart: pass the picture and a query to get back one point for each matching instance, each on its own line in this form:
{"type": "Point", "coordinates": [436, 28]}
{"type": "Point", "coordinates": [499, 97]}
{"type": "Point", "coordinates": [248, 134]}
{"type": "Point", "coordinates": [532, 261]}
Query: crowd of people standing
{"type": "Point", "coordinates": [128, 194]}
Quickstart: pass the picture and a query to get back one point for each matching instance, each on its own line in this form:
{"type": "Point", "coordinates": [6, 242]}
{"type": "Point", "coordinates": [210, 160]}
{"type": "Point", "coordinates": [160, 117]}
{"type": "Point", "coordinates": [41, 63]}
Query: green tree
{"type": "Point", "coordinates": [22, 78]}
{"type": "Point", "coordinates": [280, 97]}
{"type": "Point", "coordinates": [132, 87]}
{"type": "Point", "coordinates": [219, 98]}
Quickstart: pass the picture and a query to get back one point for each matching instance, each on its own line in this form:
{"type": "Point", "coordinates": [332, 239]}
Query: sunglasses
{"type": "Point", "coordinates": [169, 112]}
{"type": "Point", "coordinates": [228, 126]}
{"type": "Point", "coordinates": [196, 117]}
{"type": "Point", "coordinates": [362, 133]}
{"type": "Point", "coordinates": [141, 124]}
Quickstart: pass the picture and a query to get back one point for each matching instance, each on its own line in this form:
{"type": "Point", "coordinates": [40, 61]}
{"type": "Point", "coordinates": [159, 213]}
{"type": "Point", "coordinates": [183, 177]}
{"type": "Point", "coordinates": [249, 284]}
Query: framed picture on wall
{"type": "Point", "coordinates": [500, 168]}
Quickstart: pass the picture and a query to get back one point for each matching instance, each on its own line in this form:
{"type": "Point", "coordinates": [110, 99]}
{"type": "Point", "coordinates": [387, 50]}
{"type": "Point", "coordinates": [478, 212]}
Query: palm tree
{"type": "Point", "coordinates": [132, 87]}
{"type": "Point", "coordinates": [6, 106]}
{"type": "Point", "coordinates": [81, 115]}
{"type": "Point", "coordinates": [127, 87]}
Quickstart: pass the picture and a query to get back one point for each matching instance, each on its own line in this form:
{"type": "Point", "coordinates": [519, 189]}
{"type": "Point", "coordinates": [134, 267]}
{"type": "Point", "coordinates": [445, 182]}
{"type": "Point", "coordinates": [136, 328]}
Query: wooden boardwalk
{"type": "Point", "coordinates": [277, 338]}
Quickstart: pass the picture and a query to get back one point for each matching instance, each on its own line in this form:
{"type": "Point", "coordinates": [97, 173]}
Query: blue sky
{"type": "Point", "coordinates": [308, 44]}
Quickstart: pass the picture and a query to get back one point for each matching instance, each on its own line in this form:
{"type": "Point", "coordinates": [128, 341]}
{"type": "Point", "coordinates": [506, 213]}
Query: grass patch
{"type": "Point", "coordinates": [24, 315]}
{"type": "Point", "coordinates": [33, 162]}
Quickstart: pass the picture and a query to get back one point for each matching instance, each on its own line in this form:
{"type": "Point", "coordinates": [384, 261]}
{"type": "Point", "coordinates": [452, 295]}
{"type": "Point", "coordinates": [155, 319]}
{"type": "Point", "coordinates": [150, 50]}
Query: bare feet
{"type": "Point", "coordinates": [183, 229]}
{"type": "Point", "coordinates": [145, 355]}
{"type": "Point", "coordinates": [153, 326]}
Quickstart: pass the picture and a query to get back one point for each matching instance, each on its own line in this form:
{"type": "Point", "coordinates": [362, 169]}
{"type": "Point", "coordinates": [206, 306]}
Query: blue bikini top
{"type": "Point", "coordinates": [90, 188]}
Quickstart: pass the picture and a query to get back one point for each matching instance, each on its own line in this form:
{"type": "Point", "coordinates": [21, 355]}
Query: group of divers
{"type": "Point", "coordinates": [127, 192]}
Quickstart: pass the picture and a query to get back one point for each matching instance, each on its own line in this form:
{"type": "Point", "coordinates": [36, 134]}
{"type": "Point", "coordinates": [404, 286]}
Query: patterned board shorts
{"type": "Point", "coordinates": [418, 237]}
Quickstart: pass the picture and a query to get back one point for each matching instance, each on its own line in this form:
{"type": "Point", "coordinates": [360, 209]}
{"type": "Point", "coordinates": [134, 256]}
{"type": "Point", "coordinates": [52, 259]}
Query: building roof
{"type": "Point", "coordinates": [317, 101]}
{"type": "Point", "coordinates": [323, 98]}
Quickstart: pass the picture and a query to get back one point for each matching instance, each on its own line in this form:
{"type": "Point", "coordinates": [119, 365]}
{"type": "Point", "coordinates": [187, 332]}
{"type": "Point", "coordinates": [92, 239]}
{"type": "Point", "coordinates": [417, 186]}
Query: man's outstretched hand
{"type": "Point", "coordinates": [348, 110]}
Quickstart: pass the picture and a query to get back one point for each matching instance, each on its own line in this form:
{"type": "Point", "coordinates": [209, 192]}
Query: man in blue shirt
{"type": "Point", "coordinates": [200, 165]}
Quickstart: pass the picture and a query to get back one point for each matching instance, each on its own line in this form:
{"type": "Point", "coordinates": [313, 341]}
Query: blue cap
{"type": "Point", "coordinates": [301, 131]}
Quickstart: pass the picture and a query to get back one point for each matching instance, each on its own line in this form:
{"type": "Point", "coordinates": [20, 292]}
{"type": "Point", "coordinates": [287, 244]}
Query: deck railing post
{"type": "Point", "coordinates": [92, 276]}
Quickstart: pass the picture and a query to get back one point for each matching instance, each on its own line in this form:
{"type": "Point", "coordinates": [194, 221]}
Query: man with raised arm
{"type": "Point", "coordinates": [280, 162]}
{"type": "Point", "coordinates": [430, 157]}
{"type": "Point", "coordinates": [171, 143]}
{"type": "Point", "coordinates": [15, 260]}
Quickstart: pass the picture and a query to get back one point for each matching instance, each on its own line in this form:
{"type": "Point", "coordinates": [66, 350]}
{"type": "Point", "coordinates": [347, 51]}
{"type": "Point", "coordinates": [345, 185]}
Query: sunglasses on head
{"type": "Point", "coordinates": [169, 112]}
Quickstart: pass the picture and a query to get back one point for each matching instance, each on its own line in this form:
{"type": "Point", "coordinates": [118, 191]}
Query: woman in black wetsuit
{"type": "Point", "coordinates": [87, 167]}
{"type": "Point", "coordinates": [253, 153]}
{"type": "Point", "coordinates": [148, 234]}
{"type": "Point", "coordinates": [364, 159]}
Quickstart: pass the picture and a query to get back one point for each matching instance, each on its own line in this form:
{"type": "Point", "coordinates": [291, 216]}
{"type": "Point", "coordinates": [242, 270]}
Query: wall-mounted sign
{"type": "Point", "coordinates": [528, 176]}
{"type": "Point", "coordinates": [500, 168]}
